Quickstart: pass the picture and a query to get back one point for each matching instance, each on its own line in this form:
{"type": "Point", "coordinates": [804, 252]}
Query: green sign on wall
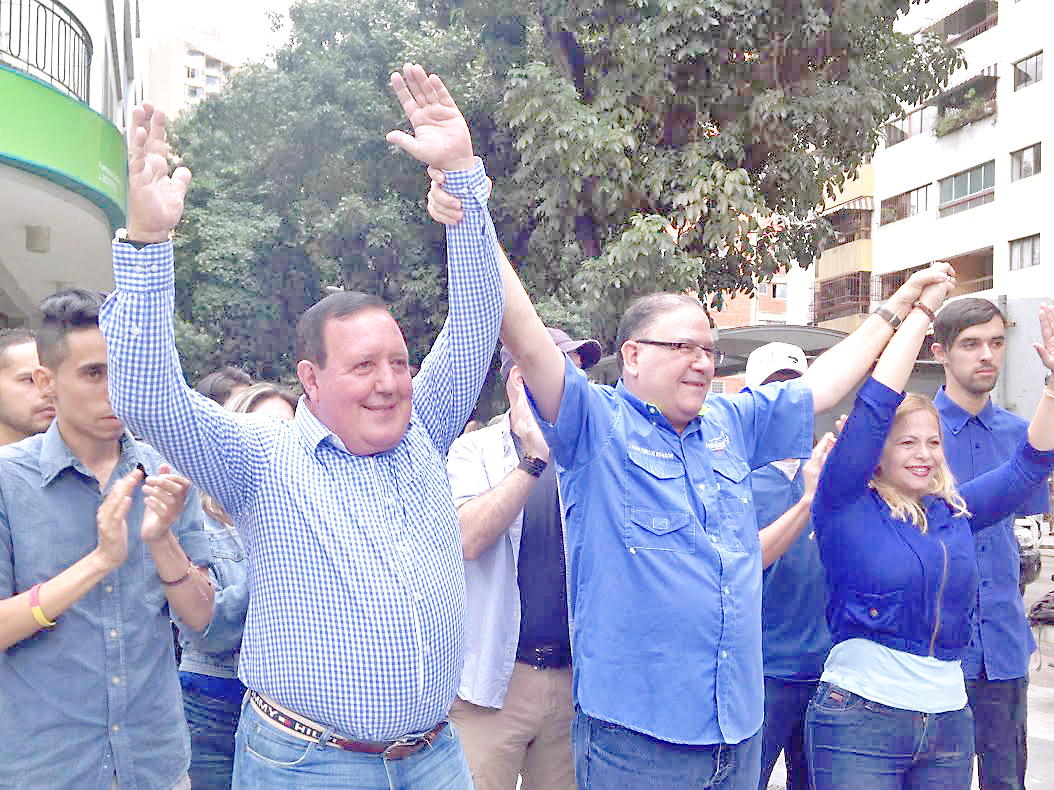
{"type": "Point", "coordinates": [47, 132]}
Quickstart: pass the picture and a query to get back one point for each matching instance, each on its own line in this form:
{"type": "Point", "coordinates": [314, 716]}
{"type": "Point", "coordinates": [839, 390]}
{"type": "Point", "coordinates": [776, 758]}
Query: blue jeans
{"type": "Point", "coordinates": [611, 757]}
{"type": "Point", "coordinates": [855, 743]}
{"type": "Point", "coordinates": [784, 730]}
{"type": "Point", "coordinates": [212, 719]}
{"type": "Point", "coordinates": [269, 756]}
{"type": "Point", "coordinates": [999, 708]}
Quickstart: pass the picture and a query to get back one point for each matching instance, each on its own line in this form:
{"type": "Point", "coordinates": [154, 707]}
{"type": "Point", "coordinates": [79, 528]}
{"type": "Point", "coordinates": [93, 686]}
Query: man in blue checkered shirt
{"type": "Point", "coordinates": [353, 643]}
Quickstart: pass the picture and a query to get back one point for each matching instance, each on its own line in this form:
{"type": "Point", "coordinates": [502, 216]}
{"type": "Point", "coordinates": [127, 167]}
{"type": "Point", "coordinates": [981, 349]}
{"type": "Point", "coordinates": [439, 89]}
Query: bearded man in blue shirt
{"type": "Point", "coordinates": [664, 561]}
{"type": "Point", "coordinates": [970, 342]}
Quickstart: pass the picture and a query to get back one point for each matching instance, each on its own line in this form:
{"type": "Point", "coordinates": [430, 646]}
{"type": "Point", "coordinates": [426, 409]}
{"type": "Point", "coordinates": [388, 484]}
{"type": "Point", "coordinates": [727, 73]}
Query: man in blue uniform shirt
{"type": "Point", "coordinates": [978, 436]}
{"type": "Point", "coordinates": [795, 640]}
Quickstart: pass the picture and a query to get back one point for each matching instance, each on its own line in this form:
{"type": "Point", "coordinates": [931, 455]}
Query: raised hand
{"type": "Point", "coordinates": [155, 199]}
{"type": "Point", "coordinates": [523, 424]}
{"type": "Point", "coordinates": [939, 272]}
{"type": "Point", "coordinates": [111, 520]}
{"type": "Point", "coordinates": [810, 472]}
{"type": "Point", "coordinates": [165, 495]}
{"type": "Point", "coordinates": [441, 137]}
{"type": "Point", "coordinates": [1045, 347]}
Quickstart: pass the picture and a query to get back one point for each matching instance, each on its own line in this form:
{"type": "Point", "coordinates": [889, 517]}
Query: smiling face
{"type": "Point", "coordinates": [975, 358]}
{"type": "Point", "coordinates": [363, 392]}
{"type": "Point", "coordinates": [24, 410]}
{"type": "Point", "coordinates": [913, 454]}
{"type": "Point", "coordinates": [674, 381]}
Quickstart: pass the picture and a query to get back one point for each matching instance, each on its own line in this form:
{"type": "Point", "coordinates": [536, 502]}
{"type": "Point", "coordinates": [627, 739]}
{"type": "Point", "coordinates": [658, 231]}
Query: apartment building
{"type": "Point", "coordinates": [957, 178]}
{"type": "Point", "coordinates": [187, 67]}
{"type": "Point", "coordinates": [69, 76]}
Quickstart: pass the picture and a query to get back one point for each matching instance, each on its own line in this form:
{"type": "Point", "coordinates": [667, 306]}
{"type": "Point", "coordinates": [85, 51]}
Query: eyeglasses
{"type": "Point", "coordinates": [687, 350]}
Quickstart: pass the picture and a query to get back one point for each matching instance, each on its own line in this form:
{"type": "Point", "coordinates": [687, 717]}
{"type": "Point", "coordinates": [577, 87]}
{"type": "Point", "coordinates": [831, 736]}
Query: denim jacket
{"type": "Point", "coordinates": [215, 651]}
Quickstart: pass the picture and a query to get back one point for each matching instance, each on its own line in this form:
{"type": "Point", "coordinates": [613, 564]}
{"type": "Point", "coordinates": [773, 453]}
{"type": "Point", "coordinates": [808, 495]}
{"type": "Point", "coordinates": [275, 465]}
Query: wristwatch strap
{"type": "Point", "coordinates": [533, 466]}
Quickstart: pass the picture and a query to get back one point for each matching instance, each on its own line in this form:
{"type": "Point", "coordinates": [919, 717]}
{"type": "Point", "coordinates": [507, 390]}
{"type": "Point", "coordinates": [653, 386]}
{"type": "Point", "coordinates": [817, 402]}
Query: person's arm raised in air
{"type": "Point", "coordinates": [859, 447]}
{"type": "Point", "coordinates": [451, 376]}
{"type": "Point", "coordinates": [780, 535]}
{"type": "Point", "coordinates": [835, 372]}
{"type": "Point", "coordinates": [996, 494]}
{"type": "Point", "coordinates": [522, 332]}
{"type": "Point", "coordinates": [147, 390]}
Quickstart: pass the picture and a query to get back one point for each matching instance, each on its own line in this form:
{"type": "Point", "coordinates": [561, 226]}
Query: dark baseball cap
{"type": "Point", "coordinates": [589, 350]}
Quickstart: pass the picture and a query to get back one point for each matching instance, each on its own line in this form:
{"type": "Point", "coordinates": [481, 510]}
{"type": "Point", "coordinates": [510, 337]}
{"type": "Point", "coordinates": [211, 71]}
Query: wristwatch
{"type": "Point", "coordinates": [532, 466]}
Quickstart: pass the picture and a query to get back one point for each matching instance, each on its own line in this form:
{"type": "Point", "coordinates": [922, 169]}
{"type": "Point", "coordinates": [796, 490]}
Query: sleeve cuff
{"type": "Point", "coordinates": [148, 269]}
{"type": "Point", "coordinates": [469, 186]}
{"type": "Point", "coordinates": [878, 394]}
{"type": "Point", "coordinates": [1040, 460]}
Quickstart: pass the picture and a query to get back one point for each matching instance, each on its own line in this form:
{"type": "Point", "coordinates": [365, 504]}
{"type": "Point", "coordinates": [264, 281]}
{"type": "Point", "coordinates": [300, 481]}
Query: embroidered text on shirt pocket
{"type": "Point", "coordinates": [660, 530]}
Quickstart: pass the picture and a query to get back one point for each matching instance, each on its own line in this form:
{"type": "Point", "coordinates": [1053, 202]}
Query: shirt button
{"type": "Point", "coordinates": [745, 500]}
{"type": "Point", "coordinates": [154, 268]}
{"type": "Point", "coordinates": [724, 654]}
{"type": "Point", "coordinates": [135, 331]}
{"type": "Point", "coordinates": [108, 588]}
{"type": "Point", "coordinates": [873, 612]}
{"type": "Point", "coordinates": [115, 728]}
{"type": "Point", "coordinates": [116, 680]}
{"type": "Point", "coordinates": [727, 590]}
{"type": "Point", "coordinates": [419, 597]}
{"type": "Point", "coordinates": [113, 633]}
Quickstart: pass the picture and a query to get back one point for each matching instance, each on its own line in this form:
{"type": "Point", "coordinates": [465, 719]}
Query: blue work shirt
{"type": "Point", "coordinates": [98, 693]}
{"type": "Point", "coordinates": [1001, 641]}
{"type": "Point", "coordinates": [795, 640]}
{"type": "Point", "coordinates": [664, 564]}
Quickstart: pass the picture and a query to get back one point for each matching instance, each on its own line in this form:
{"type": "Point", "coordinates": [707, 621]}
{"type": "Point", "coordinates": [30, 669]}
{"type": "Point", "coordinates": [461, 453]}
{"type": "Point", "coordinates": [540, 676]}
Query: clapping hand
{"type": "Point", "coordinates": [810, 472]}
{"type": "Point", "coordinates": [155, 199]}
{"type": "Point", "coordinates": [165, 495]}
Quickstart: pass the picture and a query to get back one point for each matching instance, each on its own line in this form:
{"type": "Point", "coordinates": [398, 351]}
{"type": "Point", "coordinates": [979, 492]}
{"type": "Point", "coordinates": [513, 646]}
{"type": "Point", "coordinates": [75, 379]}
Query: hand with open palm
{"type": "Point", "coordinates": [441, 137]}
{"type": "Point", "coordinates": [155, 199]}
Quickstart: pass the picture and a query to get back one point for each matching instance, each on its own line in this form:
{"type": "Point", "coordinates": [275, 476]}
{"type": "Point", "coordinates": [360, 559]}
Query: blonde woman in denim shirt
{"type": "Point", "coordinates": [208, 669]}
{"type": "Point", "coordinates": [895, 537]}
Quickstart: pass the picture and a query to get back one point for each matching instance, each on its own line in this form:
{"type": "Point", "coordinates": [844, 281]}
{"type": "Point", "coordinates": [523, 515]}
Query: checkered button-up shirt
{"type": "Point", "coordinates": [357, 606]}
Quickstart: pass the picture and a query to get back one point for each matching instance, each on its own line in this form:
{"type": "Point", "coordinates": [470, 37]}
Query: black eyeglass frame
{"type": "Point", "coordinates": [698, 349]}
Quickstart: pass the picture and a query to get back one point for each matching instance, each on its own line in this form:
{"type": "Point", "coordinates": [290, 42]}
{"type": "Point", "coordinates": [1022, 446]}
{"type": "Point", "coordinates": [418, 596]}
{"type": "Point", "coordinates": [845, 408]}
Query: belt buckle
{"type": "Point", "coordinates": [406, 742]}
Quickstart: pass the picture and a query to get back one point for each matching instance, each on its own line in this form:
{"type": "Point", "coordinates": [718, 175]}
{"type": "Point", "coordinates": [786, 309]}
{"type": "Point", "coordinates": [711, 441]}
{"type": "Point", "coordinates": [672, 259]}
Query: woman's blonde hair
{"type": "Point", "coordinates": [908, 508]}
{"type": "Point", "coordinates": [244, 402]}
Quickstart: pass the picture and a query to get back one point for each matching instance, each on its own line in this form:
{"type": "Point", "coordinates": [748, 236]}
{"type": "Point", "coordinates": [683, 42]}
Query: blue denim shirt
{"type": "Point", "coordinates": [890, 582]}
{"type": "Point", "coordinates": [1000, 640]}
{"type": "Point", "coordinates": [795, 640]}
{"type": "Point", "coordinates": [215, 651]}
{"type": "Point", "coordinates": [664, 564]}
{"type": "Point", "coordinates": [97, 694]}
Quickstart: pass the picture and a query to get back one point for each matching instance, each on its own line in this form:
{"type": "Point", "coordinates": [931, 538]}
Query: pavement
{"type": "Point", "coordinates": [1040, 773]}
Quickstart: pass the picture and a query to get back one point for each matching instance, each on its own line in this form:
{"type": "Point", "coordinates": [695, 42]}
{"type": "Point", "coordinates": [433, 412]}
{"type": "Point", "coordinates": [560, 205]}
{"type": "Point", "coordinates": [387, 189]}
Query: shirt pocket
{"type": "Point", "coordinates": [735, 507]}
{"type": "Point", "coordinates": [666, 523]}
{"type": "Point", "coordinates": [227, 558]}
{"type": "Point", "coordinates": [881, 613]}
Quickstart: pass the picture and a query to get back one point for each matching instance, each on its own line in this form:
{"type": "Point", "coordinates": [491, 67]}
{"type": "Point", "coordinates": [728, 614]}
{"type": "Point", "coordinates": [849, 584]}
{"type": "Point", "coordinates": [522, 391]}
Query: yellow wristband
{"type": "Point", "coordinates": [34, 606]}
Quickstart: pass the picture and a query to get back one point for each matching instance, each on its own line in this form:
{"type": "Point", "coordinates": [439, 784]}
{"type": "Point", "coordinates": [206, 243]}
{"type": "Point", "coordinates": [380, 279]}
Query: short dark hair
{"type": "Point", "coordinates": [13, 337]}
{"type": "Point", "coordinates": [58, 315]}
{"type": "Point", "coordinates": [312, 324]}
{"type": "Point", "coordinates": [644, 310]}
{"type": "Point", "coordinates": [219, 384]}
{"type": "Point", "coordinates": [961, 314]}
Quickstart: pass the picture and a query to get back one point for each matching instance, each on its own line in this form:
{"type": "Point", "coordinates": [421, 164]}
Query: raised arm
{"type": "Point", "coordinates": [780, 535]}
{"type": "Point", "coordinates": [147, 390]}
{"type": "Point", "coordinates": [834, 373]}
{"type": "Point", "coordinates": [451, 376]}
{"type": "Point", "coordinates": [522, 331]}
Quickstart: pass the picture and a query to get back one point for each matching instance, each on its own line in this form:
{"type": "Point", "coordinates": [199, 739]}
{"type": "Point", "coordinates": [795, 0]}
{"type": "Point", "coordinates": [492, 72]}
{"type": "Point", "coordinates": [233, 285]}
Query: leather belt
{"type": "Point", "coordinates": [552, 656]}
{"type": "Point", "coordinates": [313, 731]}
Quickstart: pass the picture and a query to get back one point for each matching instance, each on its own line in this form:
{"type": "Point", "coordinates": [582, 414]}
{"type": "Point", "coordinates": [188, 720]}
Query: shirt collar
{"type": "Point", "coordinates": [312, 431]}
{"type": "Point", "coordinates": [651, 412]}
{"type": "Point", "coordinates": [956, 417]}
{"type": "Point", "coordinates": [56, 457]}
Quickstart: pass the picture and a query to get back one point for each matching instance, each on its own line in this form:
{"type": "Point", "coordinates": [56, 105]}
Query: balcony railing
{"type": "Point", "coordinates": [45, 39]}
{"type": "Point", "coordinates": [973, 286]}
{"type": "Point", "coordinates": [976, 30]}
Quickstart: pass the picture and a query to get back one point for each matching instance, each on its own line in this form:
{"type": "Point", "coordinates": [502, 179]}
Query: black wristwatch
{"type": "Point", "coordinates": [533, 466]}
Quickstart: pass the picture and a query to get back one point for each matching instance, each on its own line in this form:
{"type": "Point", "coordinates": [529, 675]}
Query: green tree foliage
{"type": "Point", "coordinates": [677, 144]}
{"type": "Point", "coordinates": [636, 146]}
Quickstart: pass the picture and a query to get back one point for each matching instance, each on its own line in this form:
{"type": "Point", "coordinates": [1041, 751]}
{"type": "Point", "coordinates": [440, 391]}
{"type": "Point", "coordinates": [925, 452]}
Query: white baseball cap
{"type": "Point", "coordinates": [772, 358]}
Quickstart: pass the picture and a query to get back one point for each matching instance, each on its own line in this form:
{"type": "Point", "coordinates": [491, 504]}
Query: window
{"type": "Point", "coordinates": [1025, 163]}
{"type": "Point", "coordinates": [1024, 252]}
{"type": "Point", "coordinates": [913, 123]}
{"type": "Point", "coordinates": [192, 74]}
{"type": "Point", "coordinates": [193, 53]}
{"type": "Point", "coordinates": [968, 189]}
{"type": "Point", "coordinates": [907, 204]}
{"type": "Point", "coordinates": [212, 81]}
{"type": "Point", "coordinates": [194, 91]}
{"type": "Point", "coordinates": [844, 295]}
{"type": "Point", "coordinates": [717, 387]}
{"type": "Point", "coordinates": [1028, 71]}
{"type": "Point", "coordinates": [779, 291]}
{"type": "Point", "coordinates": [213, 63]}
